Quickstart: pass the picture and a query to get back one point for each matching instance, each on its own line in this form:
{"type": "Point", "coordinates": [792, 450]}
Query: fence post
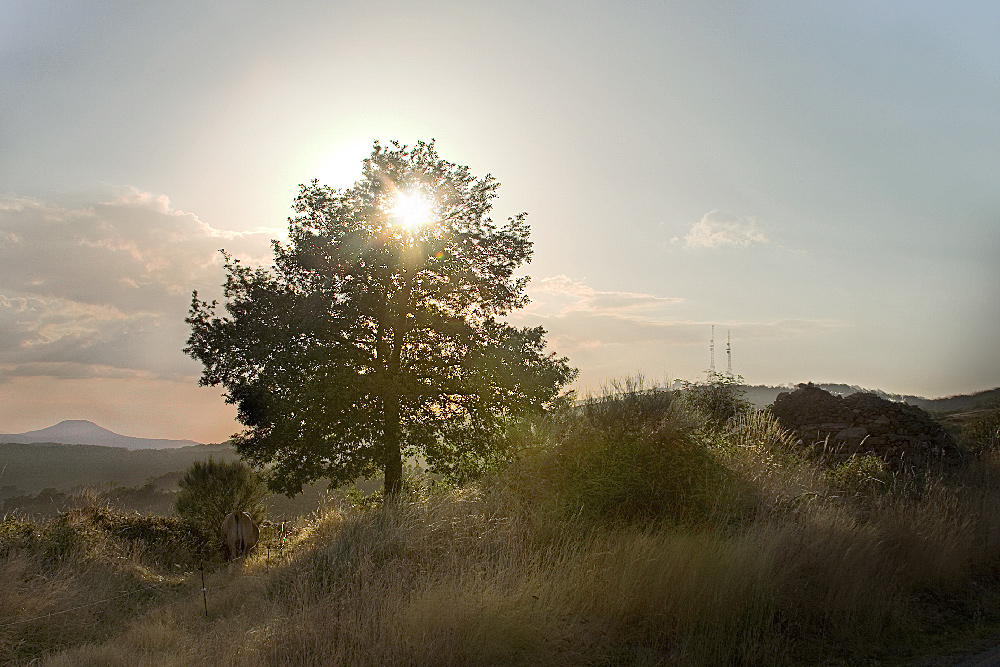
{"type": "Point", "coordinates": [204, 591]}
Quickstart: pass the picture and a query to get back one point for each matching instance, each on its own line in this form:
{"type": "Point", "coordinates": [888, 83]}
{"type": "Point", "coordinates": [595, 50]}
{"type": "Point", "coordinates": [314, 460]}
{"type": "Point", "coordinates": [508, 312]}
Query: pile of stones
{"type": "Point", "coordinates": [904, 436]}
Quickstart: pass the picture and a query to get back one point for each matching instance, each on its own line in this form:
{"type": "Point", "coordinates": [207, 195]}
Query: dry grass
{"type": "Point", "coordinates": [484, 576]}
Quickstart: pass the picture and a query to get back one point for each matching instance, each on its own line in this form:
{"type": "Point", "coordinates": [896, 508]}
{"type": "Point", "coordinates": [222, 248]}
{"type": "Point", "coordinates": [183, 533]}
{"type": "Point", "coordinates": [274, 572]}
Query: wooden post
{"type": "Point", "coordinates": [204, 591]}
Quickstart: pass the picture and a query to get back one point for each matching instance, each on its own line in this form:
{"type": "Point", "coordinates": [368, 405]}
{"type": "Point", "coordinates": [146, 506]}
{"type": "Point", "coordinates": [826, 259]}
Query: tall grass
{"type": "Point", "coordinates": [807, 571]}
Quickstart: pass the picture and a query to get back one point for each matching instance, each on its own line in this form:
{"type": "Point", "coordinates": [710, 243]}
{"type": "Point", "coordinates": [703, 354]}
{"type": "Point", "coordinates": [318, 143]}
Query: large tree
{"type": "Point", "coordinates": [379, 331]}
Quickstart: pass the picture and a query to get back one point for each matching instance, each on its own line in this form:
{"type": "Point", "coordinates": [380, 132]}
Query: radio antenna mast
{"type": "Point", "coordinates": [729, 353]}
{"type": "Point", "coordinates": [711, 347]}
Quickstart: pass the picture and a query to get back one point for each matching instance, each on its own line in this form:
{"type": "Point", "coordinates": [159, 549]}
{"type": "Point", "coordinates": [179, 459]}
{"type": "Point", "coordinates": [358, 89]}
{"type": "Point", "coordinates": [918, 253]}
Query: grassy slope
{"type": "Point", "coordinates": [498, 574]}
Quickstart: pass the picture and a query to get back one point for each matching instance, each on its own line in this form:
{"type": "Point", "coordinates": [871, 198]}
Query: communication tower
{"type": "Point", "coordinates": [711, 347]}
{"type": "Point", "coordinates": [729, 353]}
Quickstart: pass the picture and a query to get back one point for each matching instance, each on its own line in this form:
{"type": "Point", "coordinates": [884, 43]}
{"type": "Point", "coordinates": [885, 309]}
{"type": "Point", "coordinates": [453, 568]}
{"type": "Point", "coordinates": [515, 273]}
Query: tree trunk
{"type": "Point", "coordinates": [393, 426]}
{"type": "Point", "coordinates": [393, 434]}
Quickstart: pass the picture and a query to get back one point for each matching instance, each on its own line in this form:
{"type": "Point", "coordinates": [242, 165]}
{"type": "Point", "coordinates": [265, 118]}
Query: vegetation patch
{"type": "Point", "coordinates": [638, 455]}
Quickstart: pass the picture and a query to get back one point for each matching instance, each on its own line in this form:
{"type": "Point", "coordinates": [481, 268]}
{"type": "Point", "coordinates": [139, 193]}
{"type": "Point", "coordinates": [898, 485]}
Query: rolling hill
{"type": "Point", "coordinates": [31, 467]}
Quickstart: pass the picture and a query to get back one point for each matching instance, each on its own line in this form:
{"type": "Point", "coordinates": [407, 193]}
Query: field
{"type": "Point", "coordinates": [634, 532]}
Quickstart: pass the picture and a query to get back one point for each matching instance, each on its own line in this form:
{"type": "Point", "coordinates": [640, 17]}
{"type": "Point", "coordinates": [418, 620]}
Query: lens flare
{"type": "Point", "coordinates": [412, 211]}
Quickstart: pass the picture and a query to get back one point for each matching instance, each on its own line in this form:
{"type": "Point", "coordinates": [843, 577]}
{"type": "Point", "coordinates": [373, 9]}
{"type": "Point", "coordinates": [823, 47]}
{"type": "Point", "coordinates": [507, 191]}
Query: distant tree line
{"type": "Point", "coordinates": [47, 503]}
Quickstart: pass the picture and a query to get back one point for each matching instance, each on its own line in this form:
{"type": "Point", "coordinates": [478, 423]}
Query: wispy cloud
{"type": "Point", "coordinates": [561, 295]}
{"type": "Point", "coordinates": [719, 228]}
{"type": "Point", "coordinates": [102, 290]}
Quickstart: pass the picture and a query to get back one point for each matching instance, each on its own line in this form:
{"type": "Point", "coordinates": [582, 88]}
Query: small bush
{"type": "Point", "coordinates": [211, 489]}
{"type": "Point", "coordinates": [17, 534]}
{"type": "Point", "coordinates": [982, 432]}
{"type": "Point", "coordinates": [860, 474]}
{"type": "Point", "coordinates": [718, 400]}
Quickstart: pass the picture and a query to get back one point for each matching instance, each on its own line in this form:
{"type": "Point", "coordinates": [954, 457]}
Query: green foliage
{"type": "Point", "coordinates": [17, 534]}
{"type": "Point", "coordinates": [459, 464]}
{"type": "Point", "coordinates": [212, 489]}
{"type": "Point", "coordinates": [62, 538]}
{"type": "Point", "coordinates": [759, 429]}
{"type": "Point", "coordinates": [357, 498]}
{"type": "Point", "coordinates": [370, 341]}
{"type": "Point", "coordinates": [87, 531]}
{"type": "Point", "coordinates": [635, 455]}
{"type": "Point", "coordinates": [860, 474]}
{"type": "Point", "coordinates": [982, 432]}
{"type": "Point", "coordinates": [167, 541]}
{"type": "Point", "coordinates": [718, 399]}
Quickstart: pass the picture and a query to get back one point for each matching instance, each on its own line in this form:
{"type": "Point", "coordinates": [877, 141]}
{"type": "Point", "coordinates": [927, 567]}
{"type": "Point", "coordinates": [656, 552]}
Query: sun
{"type": "Point", "coordinates": [412, 211]}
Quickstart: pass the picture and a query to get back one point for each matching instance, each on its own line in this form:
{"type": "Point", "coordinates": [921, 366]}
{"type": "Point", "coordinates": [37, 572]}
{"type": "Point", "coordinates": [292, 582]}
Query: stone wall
{"type": "Point", "coordinates": [903, 435]}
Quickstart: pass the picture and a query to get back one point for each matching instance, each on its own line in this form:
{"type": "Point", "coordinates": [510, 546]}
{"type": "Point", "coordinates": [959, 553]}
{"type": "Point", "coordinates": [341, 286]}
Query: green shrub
{"type": "Point", "coordinates": [717, 400]}
{"type": "Point", "coordinates": [17, 534]}
{"type": "Point", "coordinates": [759, 429]}
{"type": "Point", "coordinates": [982, 432]}
{"type": "Point", "coordinates": [635, 455]}
{"type": "Point", "coordinates": [87, 530]}
{"type": "Point", "coordinates": [167, 541]}
{"type": "Point", "coordinates": [860, 474]}
{"type": "Point", "coordinates": [211, 489]}
{"type": "Point", "coordinates": [627, 408]}
{"type": "Point", "coordinates": [54, 541]}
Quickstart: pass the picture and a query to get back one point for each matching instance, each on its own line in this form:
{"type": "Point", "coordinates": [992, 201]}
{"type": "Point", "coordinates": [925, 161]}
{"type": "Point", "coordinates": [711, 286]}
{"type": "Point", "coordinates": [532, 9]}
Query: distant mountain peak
{"type": "Point", "coordinates": [84, 432]}
{"type": "Point", "coordinates": [77, 424]}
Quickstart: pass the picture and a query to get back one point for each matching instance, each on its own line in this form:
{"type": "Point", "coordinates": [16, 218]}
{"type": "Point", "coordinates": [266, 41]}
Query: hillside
{"type": "Point", "coordinates": [82, 432]}
{"type": "Point", "coordinates": [33, 467]}
{"type": "Point", "coordinates": [978, 400]}
{"type": "Point", "coordinates": [763, 395]}
{"type": "Point", "coordinates": [737, 554]}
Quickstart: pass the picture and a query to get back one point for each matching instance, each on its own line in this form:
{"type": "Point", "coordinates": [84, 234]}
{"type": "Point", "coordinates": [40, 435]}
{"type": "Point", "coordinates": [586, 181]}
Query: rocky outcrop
{"type": "Point", "coordinates": [905, 436]}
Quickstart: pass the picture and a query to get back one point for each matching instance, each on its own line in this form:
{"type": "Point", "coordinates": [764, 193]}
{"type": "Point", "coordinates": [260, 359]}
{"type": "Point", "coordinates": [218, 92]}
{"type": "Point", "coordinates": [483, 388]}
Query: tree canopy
{"type": "Point", "coordinates": [379, 331]}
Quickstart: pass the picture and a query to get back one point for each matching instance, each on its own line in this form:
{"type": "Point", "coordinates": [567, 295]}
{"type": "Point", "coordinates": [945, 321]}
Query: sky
{"type": "Point", "coordinates": [817, 180]}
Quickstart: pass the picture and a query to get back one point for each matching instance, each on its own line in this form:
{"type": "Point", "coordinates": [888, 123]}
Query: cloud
{"type": "Point", "coordinates": [718, 228]}
{"type": "Point", "coordinates": [45, 321]}
{"type": "Point", "coordinates": [68, 370]}
{"type": "Point", "coordinates": [560, 295]}
{"type": "Point", "coordinates": [579, 316]}
{"type": "Point", "coordinates": [102, 290]}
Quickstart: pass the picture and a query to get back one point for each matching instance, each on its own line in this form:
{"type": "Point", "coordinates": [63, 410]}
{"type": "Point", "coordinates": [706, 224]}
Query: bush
{"type": "Point", "coordinates": [717, 400]}
{"type": "Point", "coordinates": [860, 474]}
{"type": "Point", "coordinates": [17, 534]}
{"type": "Point", "coordinates": [211, 489]}
{"type": "Point", "coordinates": [167, 541]}
{"type": "Point", "coordinates": [89, 529]}
{"type": "Point", "coordinates": [635, 455]}
{"type": "Point", "coordinates": [982, 432]}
